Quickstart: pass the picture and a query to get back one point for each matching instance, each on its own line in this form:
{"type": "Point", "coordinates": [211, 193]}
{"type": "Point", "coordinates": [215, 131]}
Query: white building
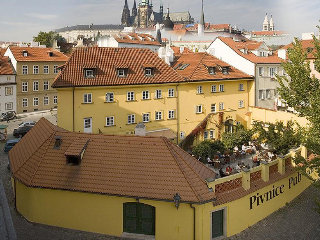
{"type": "Point", "coordinates": [8, 90]}
{"type": "Point", "coordinates": [253, 58]}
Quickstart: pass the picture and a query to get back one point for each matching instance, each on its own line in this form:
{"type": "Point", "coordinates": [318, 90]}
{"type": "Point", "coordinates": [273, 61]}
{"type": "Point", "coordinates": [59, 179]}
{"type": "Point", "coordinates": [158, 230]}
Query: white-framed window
{"type": "Point", "coordinates": [272, 72]}
{"type": "Point", "coordinates": [213, 88]}
{"type": "Point", "coordinates": [171, 114]}
{"type": "Point", "coordinates": [260, 70]}
{"type": "Point", "coordinates": [205, 135]}
{"type": "Point", "coordinates": [110, 121]}
{"type": "Point", "coordinates": [212, 70]}
{"type": "Point", "coordinates": [121, 72]}
{"type": "Point", "coordinates": [241, 87]}
{"type": "Point", "coordinates": [199, 109]}
{"type": "Point", "coordinates": [45, 100]}
{"type": "Point", "coordinates": [261, 94]}
{"type": "Point", "coordinates": [199, 90]}
{"type": "Point", "coordinates": [212, 134]}
{"type": "Point", "coordinates": [8, 91]}
{"type": "Point", "coordinates": [225, 70]}
{"type": "Point", "coordinates": [221, 88]}
{"type": "Point", "coordinates": [35, 86]}
{"type": "Point", "coordinates": [146, 117]}
{"type": "Point", "coordinates": [145, 95]}
{"type": "Point", "coordinates": [109, 97]}
{"type": "Point", "coordinates": [35, 101]}
{"type": "Point", "coordinates": [170, 92]}
{"type": "Point", "coordinates": [241, 104]}
{"type": "Point", "coordinates": [182, 135]}
{"type": "Point", "coordinates": [9, 105]}
{"type": "Point", "coordinates": [158, 93]}
{"type": "Point", "coordinates": [55, 69]}
{"type": "Point", "coordinates": [159, 115]}
{"type": "Point", "coordinates": [46, 85]}
{"type": "Point", "coordinates": [213, 108]}
{"type": "Point", "coordinates": [148, 72]}
{"type": "Point", "coordinates": [87, 98]}
{"type": "Point", "coordinates": [221, 106]}
{"type": "Point", "coordinates": [130, 96]}
{"type": "Point", "coordinates": [24, 70]}
{"type": "Point", "coordinates": [55, 99]}
{"type": "Point", "coordinates": [87, 125]}
{"type": "Point", "coordinates": [24, 86]}
{"type": "Point", "coordinates": [131, 118]}
{"type": "Point", "coordinates": [89, 73]}
{"type": "Point", "coordinates": [25, 102]}
{"type": "Point", "coordinates": [46, 69]}
{"type": "Point", "coordinates": [35, 69]}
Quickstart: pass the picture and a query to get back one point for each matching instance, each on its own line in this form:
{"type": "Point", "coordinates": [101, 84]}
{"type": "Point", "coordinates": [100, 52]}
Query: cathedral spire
{"type": "Point", "coordinates": [125, 19]}
{"type": "Point", "coordinates": [134, 9]}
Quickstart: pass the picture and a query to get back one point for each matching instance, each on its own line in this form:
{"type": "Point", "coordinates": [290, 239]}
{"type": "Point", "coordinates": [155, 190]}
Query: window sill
{"type": "Point", "coordinates": [110, 126]}
{"type": "Point", "coordinates": [159, 120]}
{"type": "Point", "coordinates": [158, 98]}
{"type": "Point", "coordinates": [88, 103]}
{"type": "Point", "coordinates": [199, 112]}
{"type": "Point", "coordinates": [171, 119]}
{"type": "Point", "coordinates": [145, 99]}
{"type": "Point", "coordinates": [131, 101]}
{"type": "Point", "coordinates": [172, 97]}
{"type": "Point", "coordinates": [110, 102]}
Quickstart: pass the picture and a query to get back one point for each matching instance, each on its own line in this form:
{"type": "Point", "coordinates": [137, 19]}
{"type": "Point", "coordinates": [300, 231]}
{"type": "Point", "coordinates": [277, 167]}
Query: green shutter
{"type": "Point", "coordinates": [217, 223]}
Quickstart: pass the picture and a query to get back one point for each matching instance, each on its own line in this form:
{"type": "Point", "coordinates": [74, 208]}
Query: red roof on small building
{"type": "Point", "coordinates": [37, 54]}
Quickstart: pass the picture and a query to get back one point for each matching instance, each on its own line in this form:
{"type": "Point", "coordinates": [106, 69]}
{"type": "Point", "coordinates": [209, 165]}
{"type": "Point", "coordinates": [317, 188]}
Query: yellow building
{"type": "Point", "coordinates": [36, 68]}
{"type": "Point", "coordinates": [145, 187]}
{"type": "Point", "coordinates": [110, 90]}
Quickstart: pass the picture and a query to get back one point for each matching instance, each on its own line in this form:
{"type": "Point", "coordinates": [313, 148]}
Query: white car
{"type": "Point", "coordinates": [31, 123]}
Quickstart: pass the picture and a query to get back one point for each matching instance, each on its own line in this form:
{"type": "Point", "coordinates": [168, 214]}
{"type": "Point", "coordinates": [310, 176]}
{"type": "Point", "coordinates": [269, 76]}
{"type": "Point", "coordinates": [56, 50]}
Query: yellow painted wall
{"type": "Point", "coordinates": [98, 213]}
{"type": "Point", "coordinates": [184, 103]}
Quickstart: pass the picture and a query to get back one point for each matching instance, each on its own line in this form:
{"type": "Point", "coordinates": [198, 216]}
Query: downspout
{"type": "Point", "coordinates": [194, 221]}
{"type": "Point", "coordinates": [15, 193]}
{"type": "Point", "coordinates": [73, 109]}
{"type": "Point", "coordinates": [178, 114]}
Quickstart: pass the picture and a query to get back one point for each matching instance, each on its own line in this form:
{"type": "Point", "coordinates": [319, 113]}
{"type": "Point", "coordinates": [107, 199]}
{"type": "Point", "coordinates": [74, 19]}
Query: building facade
{"type": "Point", "coordinates": [8, 90]}
{"type": "Point", "coordinates": [140, 87]}
{"type": "Point", "coordinates": [255, 59]}
{"type": "Point", "coordinates": [36, 69]}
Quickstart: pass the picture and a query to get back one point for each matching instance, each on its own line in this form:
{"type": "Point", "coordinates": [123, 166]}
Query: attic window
{"type": "Point", "coordinates": [212, 70]}
{"type": "Point", "coordinates": [122, 72]}
{"type": "Point", "coordinates": [225, 70]}
{"type": "Point", "coordinates": [57, 143]}
{"type": "Point", "coordinates": [309, 49]}
{"type": "Point", "coordinates": [148, 72]}
{"type": "Point", "coordinates": [50, 54]}
{"type": "Point", "coordinates": [73, 160]}
{"type": "Point", "coordinates": [76, 150]}
{"type": "Point", "coordinates": [89, 72]}
{"type": "Point", "coordinates": [25, 53]}
{"type": "Point", "coordinates": [183, 66]}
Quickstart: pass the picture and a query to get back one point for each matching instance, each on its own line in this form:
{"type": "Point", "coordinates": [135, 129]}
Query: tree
{"type": "Point", "coordinates": [236, 139]}
{"type": "Point", "coordinates": [207, 149]}
{"type": "Point", "coordinates": [46, 38]}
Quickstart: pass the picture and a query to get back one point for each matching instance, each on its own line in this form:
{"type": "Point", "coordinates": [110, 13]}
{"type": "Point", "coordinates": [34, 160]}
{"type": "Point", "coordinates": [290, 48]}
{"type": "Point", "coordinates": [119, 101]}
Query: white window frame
{"type": "Point", "coordinates": [35, 101]}
{"type": "Point", "coordinates": [213, 88]}
{"type": "Point", "coordinates": [221, 106]}
{"type": "Point", "coordinates": [211, 70]}
{"type": "Point", "coordinates": [121, 72]}
{"type": "Point", "coordinates": [24, 69]}
{"type": "Point", "coordinates": [171, 114]}
{"type": "Point", "coordinates": [205, 135]}
{"type": "Point", "coordinates": [145, 95]}
{"type": "Point", "coordinates": [213, 108]}
{"type": "Point", "coordinates": [45, 100]}
{"type": "Point", "coordinates": [241, 87]}
{"type": "Point", "coordinates": [45, 69]}
{"type": "Point", "coordinates": [131, 119]}
{"type": "Point", "coordinates": [221, 87]}
{"type": "Point", "coordinates": [268, 94]}
{"type": "Point", "coordinates": [109, 97]}
{"type": "Point", "coordinates": [87, 125]}
{"type": "Point", "coordinates": [158, 115]}
{"type": "Point", "coordinates": [24, 87]}
{"type": "Point", "coordinates": [212, 134]}
{"type": "Point", "coordinates": [110, 121]}
{"type": "Point", "coordinates": [130, 96]}
{"type": "Point", "coordinates": [199, 90]}
{"type": "Point", "coordinates": [35, 69]}
{"type": "Point", "coordinates": [9, 106]}
{"type": "Point", "coordinates": [272, 72]}
{"type": "Point", "coordinates": [261, 94]}
{"type": "Point", "coordinates": [171, 93]}
{"type": "Point", "coordinates": [261, 71]}
{"type": "Point", "coordinates": [146, 117]}
{"type": "Point", "coordinates": [241, 104]}
{"type": "Point", "coordinates": [182, 135]}
{"type": "Point", "coordinates": [158, 94]}
{"type": "Point", "coordinates": [199, 109]}
{"type": "Point", "coordinates": [55, 99]}
{"type": "Point", "coordinates": [55, 69]}
{"type": "Point", "coordinates": [87, 98]}
{"type": "Point", "coordinates": [35, 85]}
{"type": "Point", "coordinates": [148, 72]}
{"type": "Point", "coordinates": [8, 91]}
{"type": "Point", "coordinates": [45, 85]}
{"type": "Point", "coordinates": [25, 102]}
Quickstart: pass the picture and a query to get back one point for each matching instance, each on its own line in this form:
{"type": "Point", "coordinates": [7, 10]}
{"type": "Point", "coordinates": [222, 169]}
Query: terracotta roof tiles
{"type": "Point", "coordinates": [135, 38]}
{"type": "Point", "coordinates": [132, 166]}
{"type": "Point", "coordinates": [307, 45]}
{"type": "Point", "coordinates": [6, 67]}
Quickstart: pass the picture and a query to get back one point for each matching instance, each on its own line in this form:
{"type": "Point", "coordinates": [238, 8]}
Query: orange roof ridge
{"type": "Point", "coordinates": [197, 65]}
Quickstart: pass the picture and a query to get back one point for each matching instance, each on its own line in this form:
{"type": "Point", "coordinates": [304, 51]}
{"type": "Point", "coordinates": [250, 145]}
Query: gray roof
{"type": "Point", "coordinates": [91, 27]}
{"type": "Point", "coordinates": [179, 16]}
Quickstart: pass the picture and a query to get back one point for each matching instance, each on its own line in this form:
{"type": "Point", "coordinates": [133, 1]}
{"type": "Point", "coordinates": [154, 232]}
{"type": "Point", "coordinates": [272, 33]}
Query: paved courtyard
{"type": "Point", "coordinates": [296, 221]}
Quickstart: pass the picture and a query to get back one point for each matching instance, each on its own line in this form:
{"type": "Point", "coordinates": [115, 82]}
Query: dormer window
{"type": "Point", "coordinates": [50, 54]}
{"type": "Point", "coordinates": [75, 152]}
{"type": "Point", "coordinates": [122, 72]}
{"type": "Point", "coordinates": [25, 53]}
{"type": "Point", "coordinates": [148, 72]}
{"type": "Point", "coordinates": [225, 70]}
{"type": "Point", "coordinates": [212, 70]}
{"type": "Point", "coordinates": [89, 73]}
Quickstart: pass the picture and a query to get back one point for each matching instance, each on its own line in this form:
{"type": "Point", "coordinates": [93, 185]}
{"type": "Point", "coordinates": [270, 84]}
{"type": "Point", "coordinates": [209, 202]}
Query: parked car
{"type": "Point", "coordinates": [31, 123]}
{"type": "Point", "coordinates": [8, 116]}
{"type": "Point", "coordinates": [10, 144]}
{"type": "Point", "coordinates": [21, 131]}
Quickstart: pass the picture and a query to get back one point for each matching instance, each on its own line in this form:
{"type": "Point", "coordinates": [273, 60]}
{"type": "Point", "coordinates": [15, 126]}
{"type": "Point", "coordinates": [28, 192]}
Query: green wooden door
{"type": "Point", "coordinates": [217, 223]}
{"type": "Point", "coordinates": [139, 218]}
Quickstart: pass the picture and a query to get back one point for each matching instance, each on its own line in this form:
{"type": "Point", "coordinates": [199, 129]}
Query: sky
{"type": "Point", "coordinates": [20, 20]}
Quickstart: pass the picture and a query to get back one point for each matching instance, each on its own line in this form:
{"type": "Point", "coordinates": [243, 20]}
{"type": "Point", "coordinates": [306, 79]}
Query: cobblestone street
{"type": "Point", "coordinates": [297, 220]}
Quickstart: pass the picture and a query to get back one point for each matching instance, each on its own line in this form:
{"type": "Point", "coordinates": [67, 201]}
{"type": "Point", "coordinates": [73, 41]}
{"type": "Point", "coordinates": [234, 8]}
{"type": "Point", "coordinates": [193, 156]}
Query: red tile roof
{"type": "Point", "coordinates": [134, 38]}
{"type": "Point", "coordinates": [131, 166]}
{"type": "Point", "coordinates": [307, 45]}
{"type": "Point", "coordinates": [268, 33]}
{"type": "Point", "coordinates": [2, 51]}
{"type": "Point", "coordinates": [107, 61]}
{"type": "Point", "coordinates": [6, 67]}
{"type": "Point", "coordinates": [250, 46]}
{"type": "Point", "coordinates": [197, 70]}
{"type": "Point", "coordinates": [37, 54]}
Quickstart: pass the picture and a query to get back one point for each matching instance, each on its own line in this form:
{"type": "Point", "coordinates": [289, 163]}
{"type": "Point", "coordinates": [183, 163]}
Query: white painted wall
{"type": "Point", "coordinates": [9, 54]}
{"type": "Point", "coordinates": [222, 51]}
{"type": "Point", "coordinates": [7, 81]}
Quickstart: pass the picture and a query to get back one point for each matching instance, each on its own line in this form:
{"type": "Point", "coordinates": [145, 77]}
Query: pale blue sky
{"type": "Point", "coordinates": [20, 19]}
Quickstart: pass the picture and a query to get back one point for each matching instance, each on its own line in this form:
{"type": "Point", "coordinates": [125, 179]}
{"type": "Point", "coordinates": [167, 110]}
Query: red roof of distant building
{"type": "Point", "coordinates": [135, 38]}
{"type": "Point", "coordinates": [6, 67]}
{"type": "Point", "coordinates": [307, 45]}
{"type": "Point", "coordinates": [37, 54]}
{"type": "Point", "coordinates": [268, 33]}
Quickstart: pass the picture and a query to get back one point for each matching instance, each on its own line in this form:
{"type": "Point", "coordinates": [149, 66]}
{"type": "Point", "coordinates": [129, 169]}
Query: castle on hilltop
{"type": "Point", "coordinates": [143, 16]}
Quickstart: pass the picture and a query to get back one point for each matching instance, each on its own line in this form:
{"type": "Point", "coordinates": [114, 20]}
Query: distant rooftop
{"type": "Point", "coordinates": [90, 27]}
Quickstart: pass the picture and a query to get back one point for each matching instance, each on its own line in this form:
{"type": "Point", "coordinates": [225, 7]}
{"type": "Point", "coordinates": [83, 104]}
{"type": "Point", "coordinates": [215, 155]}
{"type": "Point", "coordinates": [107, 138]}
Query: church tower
{"type": "Point", "coordinates": [201, 25]}
{"type": "Point", "coordinates": [271, 24]}
{"type": "Point", "coordinates": [134, 9]}
{"type": "Point", "coordinates": [125, 19]}
{"type": "Point", "coordinates": [161, 12]}
{"type": "Point", "coordinates": [266, 26]}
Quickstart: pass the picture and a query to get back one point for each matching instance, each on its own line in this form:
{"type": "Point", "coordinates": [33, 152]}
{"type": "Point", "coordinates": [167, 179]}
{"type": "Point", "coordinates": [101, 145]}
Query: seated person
{"type": "Point", "coordinates": [228, 170]}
